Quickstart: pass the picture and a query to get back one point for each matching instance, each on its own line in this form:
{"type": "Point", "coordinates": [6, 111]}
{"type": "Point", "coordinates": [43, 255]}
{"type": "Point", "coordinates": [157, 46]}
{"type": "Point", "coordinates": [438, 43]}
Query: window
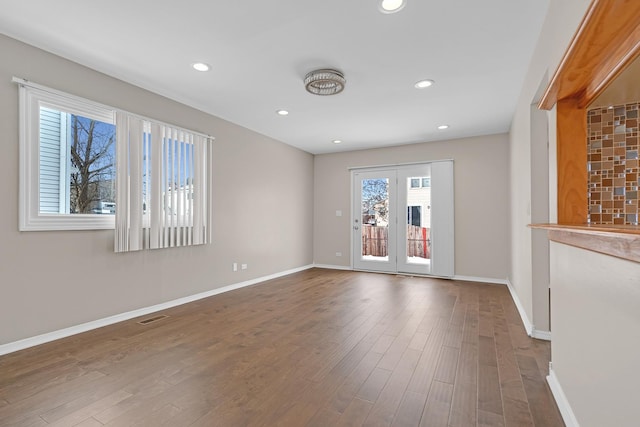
{"type": "Point", "coordinates": [164, 191]}
{"type": "Point", "coordinates": [67, 155]}
{"type": "Point", "coordinates": [423, 182]}
{"type": "Point", "coordinates": [414, 215]}
{"type": "Point", "coordinates": [84, 166]}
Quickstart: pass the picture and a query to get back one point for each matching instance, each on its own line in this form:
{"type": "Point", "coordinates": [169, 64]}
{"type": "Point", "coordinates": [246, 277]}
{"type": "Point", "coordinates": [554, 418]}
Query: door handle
{"type": "Point", "coordinates": [355, 227]}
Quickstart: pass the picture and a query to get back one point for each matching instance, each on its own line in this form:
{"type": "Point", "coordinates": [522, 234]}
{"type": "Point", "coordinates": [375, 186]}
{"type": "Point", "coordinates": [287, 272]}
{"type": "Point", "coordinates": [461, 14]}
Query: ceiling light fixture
{"type": "Point", "coordinates": [391, 6]}
{"type": "Point", "coordinates": [201, 66]}
{"type": "Point", "coordinates": [443, 127]}
{"type": "Point", "coordinates": [423, 84]}
{"type": "Point", "coordinates": [324, 82]}
{"type": "Point", "coordinates": [282, 112]}
{"type": "Point", "coordinates": [337, 141]}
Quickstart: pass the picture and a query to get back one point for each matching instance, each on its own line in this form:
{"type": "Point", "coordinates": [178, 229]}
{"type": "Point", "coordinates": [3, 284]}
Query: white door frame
{"type": "Point", "coordinates": [442, 215]}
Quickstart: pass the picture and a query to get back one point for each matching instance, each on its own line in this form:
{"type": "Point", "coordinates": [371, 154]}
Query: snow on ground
{"type": "Point", "coordinates": [412, 259]}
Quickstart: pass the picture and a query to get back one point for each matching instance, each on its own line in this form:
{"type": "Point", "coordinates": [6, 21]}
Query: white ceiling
{"type": "Point", "coordinates": [476, 51]}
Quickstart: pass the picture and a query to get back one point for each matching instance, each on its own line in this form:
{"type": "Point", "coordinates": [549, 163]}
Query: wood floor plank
{"type": "Point", "coordinates": [447, 365]}
{"type": "Point", "coordinates": [89, 422]}
{"type": "Point", "coordinates": [410, 410]}
{"type": "Point", "coordinates": [323, 418]}
{"type": "Point", "coordinates": [355, 414]}
{"type": "Point", "coordinates": [464, 405]}
{"type": "Point", "coordinates": [385, 407]}
{"type": "Point", "coordinates": [317, 348]}
{"type": "Point", "coordinates": [89, 411]}
{"type": "Point", "coordinates": [543, 408]}
{"type": "Point", "coordinates": [372, 387]}
{"type": "Point", "coordinates": [353, 382]}
{"type": "Point", "coordinates": [436, 411]}
{"type": "Point", "coordinates": [489, 395]}
{"type": "Point", "coordinates": [425, 371]}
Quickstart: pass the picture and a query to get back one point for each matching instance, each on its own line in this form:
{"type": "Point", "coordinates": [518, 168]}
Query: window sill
{"type": "Point", "coordinates": [54, 222]}
{"type": "Point", "coordinates": [615, 240]}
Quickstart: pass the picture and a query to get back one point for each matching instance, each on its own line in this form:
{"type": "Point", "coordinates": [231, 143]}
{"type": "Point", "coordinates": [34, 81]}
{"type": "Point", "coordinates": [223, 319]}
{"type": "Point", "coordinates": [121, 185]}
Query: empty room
{"type": "Point", "coordinates": [362, 213]}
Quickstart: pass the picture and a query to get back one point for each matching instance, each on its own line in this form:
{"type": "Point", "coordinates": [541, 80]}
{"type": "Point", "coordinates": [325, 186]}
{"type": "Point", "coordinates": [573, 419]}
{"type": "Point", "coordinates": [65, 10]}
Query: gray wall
{"type": "Point", "coordinates": [52, 280]}
{"type": "Point", "coordinates": [481, 204]}
{"type": "Point", "coordinates": [563, 18]}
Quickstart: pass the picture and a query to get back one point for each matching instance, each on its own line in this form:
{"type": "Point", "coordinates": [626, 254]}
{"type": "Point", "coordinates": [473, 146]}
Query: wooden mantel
{"type": "Point", "coordinates": [607, 40]}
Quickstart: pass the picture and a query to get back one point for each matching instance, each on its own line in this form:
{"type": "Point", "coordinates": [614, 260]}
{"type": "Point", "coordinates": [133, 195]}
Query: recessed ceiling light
{"type": "Point", "coordinates": [391, 6]}
{"type": "Point", "coordinates": [201, 66]}
{"type": "Point", "coordinates": [283, 112]}
{"type": "Point", "coordinates": [337, 141]}
{"type": "Point", "coordinates": [443, 127]}
{"type": "Point", "coordinates": [423, 84]}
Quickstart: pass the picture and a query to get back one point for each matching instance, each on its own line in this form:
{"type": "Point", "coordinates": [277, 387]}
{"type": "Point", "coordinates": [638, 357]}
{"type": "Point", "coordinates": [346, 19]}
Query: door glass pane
{"type": "Point", "coordinates": [375, 219]}
{"type": "Point", "coordinates": [418, 223]}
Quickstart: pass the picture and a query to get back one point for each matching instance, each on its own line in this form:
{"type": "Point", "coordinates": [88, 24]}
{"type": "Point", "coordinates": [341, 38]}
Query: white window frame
{"type": "Point", "coordinates": [31, 97]}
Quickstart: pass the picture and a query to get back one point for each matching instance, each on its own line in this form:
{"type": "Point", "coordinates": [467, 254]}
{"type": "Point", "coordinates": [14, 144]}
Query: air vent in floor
{"type": "Point", "coordinates": [152, 319]}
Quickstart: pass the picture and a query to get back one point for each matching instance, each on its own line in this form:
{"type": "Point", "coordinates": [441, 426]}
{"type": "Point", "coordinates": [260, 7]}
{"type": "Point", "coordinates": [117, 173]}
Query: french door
{"type": "Point", "coordinates": [403, 219]}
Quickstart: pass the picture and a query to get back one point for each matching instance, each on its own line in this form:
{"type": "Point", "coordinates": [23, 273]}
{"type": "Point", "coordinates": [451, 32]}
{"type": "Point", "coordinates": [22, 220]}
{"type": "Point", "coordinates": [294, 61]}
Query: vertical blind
{"type": "Point", "coordinates": [163, 185]}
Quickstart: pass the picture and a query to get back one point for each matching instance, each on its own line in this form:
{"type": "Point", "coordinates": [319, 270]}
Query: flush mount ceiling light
{"type": "Point", "coordinates": [324, 82]}
{"type": "Point", "coordinates": [391, 6]}
{"type": "Point", "coordinates": [443, 127]}
{"type": "Point", "coordinates": [201, 66]}
{"type": "Point", "coordinates": [282, 112]}
{"type": "Point", "coordinates": [337, 141]}
{"type": "Point", "coordinates": [423, 84]}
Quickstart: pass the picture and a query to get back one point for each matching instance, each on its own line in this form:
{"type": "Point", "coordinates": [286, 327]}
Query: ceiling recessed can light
{"type": "Point", "coordinates": [201, 66]}
{"type": "Point", "coordinates": [337, 141]}
{"type": "Point", "coordinates": [282, 112]}
{"type": "Point", "coordinates": [443, 127]}
{"type": "Point", "coordinates": [391, 6]}
{"type": "Point", "coordinates": [423, 84]}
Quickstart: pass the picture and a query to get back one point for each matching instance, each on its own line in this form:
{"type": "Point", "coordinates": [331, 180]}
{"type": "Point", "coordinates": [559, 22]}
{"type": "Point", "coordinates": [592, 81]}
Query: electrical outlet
{"type": "Point", "coordinates": [244, 266]}
{"type": "Point", "coordinates": [338, 253]}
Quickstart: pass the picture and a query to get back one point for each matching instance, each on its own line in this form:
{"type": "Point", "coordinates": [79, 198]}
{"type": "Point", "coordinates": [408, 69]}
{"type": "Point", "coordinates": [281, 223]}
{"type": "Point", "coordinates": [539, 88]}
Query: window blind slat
{"type": "Point", "coordinates": [122, 182]}
{"type": "Point", "coordinates": [135, 176]}
{"type": "Point", "coordinates": [155, 182]}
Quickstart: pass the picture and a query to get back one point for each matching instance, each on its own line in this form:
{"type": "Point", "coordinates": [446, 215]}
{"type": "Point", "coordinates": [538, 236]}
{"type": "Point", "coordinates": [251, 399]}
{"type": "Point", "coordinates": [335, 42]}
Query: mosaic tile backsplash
{"type": "Point", "coordinates": [612, 150]}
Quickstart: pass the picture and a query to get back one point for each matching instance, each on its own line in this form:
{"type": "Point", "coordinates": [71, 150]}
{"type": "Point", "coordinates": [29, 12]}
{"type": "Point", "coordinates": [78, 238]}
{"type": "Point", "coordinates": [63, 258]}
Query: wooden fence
{"type": "Point", "coordinates": [374, 241]}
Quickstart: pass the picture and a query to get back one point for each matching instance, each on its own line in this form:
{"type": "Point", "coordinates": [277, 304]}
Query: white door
{"type": "Point", "coordinates": [403, 219]}
{"type": "Point", "coordinates": [414, 227]}
{"type": "Point", "coordinates": [374, 222]}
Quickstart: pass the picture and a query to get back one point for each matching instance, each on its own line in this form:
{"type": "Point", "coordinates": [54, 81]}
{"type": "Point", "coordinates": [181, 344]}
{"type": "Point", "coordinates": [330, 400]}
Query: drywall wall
{"type": "Point", "coordinates": [560, 24]}
{"type": "Point", "coordinates": [596, 335]}
{"type": "Point", "coordinates": [480, 180]}
{"type": "Point", "coordinates": [263, 210]}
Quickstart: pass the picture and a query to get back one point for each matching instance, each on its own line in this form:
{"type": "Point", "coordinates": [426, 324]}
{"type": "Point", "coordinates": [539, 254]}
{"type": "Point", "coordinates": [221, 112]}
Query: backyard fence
{"type": "Point", "coordinates": [374, 241]}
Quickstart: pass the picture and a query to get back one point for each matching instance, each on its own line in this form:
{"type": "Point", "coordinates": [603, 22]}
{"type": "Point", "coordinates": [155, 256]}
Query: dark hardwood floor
{"type": "Point", "coordinates": [316, 348]}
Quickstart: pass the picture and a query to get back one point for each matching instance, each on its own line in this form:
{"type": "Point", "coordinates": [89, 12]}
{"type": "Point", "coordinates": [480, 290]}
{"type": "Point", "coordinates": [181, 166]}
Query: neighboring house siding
{"type": "Point", "coordinates": [421, 197]}
{"type": "Point", "coordinates": [50, 134]}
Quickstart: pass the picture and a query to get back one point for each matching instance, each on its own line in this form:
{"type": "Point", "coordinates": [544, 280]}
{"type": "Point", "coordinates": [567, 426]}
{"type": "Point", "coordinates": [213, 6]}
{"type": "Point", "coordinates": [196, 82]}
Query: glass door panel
{"type": "Point", "coordinates": [374, 221]}
{"type": "Point", "coordinates": [414, 238]}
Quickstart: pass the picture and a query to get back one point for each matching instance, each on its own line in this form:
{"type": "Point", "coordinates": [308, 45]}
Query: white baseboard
{"type": "Point", "coordinates": [95, 324]}
{"type": "Point", "coordinates": [333, 267]}
{"type": "Point", "coordinates": [528, 326]}
{"type": "Point", "coordinates": [568, 416]}
{"type": "Point", "coordinates": [541, 335]}
{"type": "Point", "coordinates": [480, 280]}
